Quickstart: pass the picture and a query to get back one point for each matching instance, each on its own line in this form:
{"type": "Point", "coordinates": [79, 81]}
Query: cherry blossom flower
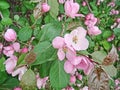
{"type": "Point", "coordinates": [63, 50]}
{"type": "Point", "coordinates": [77, 39]}
{"type": "Point", "coordinates": [10, 35]}
{"type": "Point", "coordinates": [85, 88]}
{"type": "Point", "coordinates": [94, 30]}
{"type": "Point", "coordinates": [20, 71]}
{"type": "Point", "coordinates": [8, 50]}
{"type": "Point", "coordinates": [10, 64]}
{"type": "Point", "coordinates": [45, 7]}
{"type": "Point", "coordinates": [90, 20]}
{"type": "Point", "coordinates": [41, 82]}
{"type": "Point", "coordinates": [72, 8]}
{"type": "Point", "coordinates": [85, 65]}
{"type": "Point", "coordinates": [16, 46]}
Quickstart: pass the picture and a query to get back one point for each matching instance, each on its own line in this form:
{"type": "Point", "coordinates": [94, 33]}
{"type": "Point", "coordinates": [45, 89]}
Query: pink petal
{"type": "Point", "coordinates": [68, 67]}
{"type": "Point", "coordinates": [75, 61]}
{"type": "Point", "coordinates": [61, 54]}
{"type": "Point", "coordinates": [16, 46]}
{"type": "Point", "coordinates": [58, 42]}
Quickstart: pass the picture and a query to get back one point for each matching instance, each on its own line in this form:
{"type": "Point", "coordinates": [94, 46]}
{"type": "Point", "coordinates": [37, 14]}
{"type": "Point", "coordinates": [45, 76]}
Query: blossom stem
{"type": "Point", "coordinates": [88, 6]}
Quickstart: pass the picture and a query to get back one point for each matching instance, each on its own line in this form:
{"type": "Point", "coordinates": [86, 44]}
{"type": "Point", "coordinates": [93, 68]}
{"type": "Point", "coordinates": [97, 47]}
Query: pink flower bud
{"type": "Point", "coordinates": [72, 79]}
{"type": "Point", "coordinates": [83, 3]}
{"type": "Point", "coordinates": [118, 20]}
{"type": "Point", "coordinates": [79, 76]}
{"type": "Point", "coordinates": [61, 1]}
{"type": "Point", "coordinates": [17, 88]}
{"type": "Point", "coordinates": [45, 7]}
{"type": "Point", "coordinates": [10, 35]}
{"type": "Point", "coordinates": [24, 50]}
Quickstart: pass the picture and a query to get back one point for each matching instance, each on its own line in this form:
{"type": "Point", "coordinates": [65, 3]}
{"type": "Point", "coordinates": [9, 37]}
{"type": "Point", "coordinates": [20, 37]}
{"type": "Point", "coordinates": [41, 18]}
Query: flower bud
{"type": "Point", "coordinates": [24, 50]}
{"type": "Point", "coordinates": [17, 88]}
{"type": "Point", "coordinates": [45, 7]}
{"type": "Point", "coordinates": [10, 35]}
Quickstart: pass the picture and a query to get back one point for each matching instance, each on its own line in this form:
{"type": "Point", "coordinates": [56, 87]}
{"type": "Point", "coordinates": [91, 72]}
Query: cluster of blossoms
{"type": "Point", "coordinates": [90, 21]}
{"type": "Point", "coordinates": [67, 50]}
{"type": "Point", "coordinates": [11, 63]}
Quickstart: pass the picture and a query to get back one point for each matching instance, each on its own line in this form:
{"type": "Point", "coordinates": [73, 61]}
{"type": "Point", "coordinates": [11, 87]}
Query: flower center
{"type": "Point", "coordinates": [65, 49]}
{"type": "Point", "coordinates": [75, 39]}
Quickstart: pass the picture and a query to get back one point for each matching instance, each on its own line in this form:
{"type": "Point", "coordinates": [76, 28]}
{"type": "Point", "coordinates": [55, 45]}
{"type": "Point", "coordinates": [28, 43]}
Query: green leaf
{"type": "Point", "coordinates": [3, 76]}
{"type": "Point", "coordinates": [21, 59]}
{"type": "Point", "coordinates": [28, 81]}
{"type": "Point", "coordinates": [106, 45]}
{"type": "Point", "coordinates": [45, 69]}
{"type": "Point", "coordinates": [50, 31]}
{"type": "Point", "coordinates": [4, 5]}
{"type": "Point", "coordinates": [110, 70]}
{"type": "Point", "coordinates": [5, 13]}
{"type": "Point", "coordinates": [106, 34]}
{"type": "Point", "coordinates": [58, 77]}
{"type": "Point", "coordinates": [54, 8]}
{"type": "Point", "coordinates": [28, 5]}
{"type": "Point", "coordinates": [9, 84]}
{"type": "Point", "coordinates": [45, 52]}
{"type": "Point", "coordinates": [6, 21]}
{"type": "Point", "coordinates": [99, 56]}
{"type": "Point", "coordinates": [2, 66]}
{"type": "Point", "coordinates": [25, 33]}
{"type": "Point", "coordinates": [116, 31]}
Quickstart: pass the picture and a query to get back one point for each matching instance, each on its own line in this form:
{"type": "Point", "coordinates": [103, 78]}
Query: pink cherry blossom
{"type": "Point", "coordinates": [45, 7]}
{"type": "Point", "coordinates": [16, 46]}
{"type": "Point", "coordinates": [63, 50]}
{"type": "Point", "coordinates": [10, 64]}
{"type": "Point", "coordinates": [61, 1]}
{"type": "Point", "coordinates": [72, 79]}
{"type": "Point", "coordinates": [90, 20]}
{"type": "Point", "coordinates": [84, 3]}
{"type": "Point", "coordinates": [85, 65]}
{"type": "Point", "coordinates": [72, 8]}
{"type": "Point", "coordinates": [8, 50]}
{"type": "Point", "coordinates": [41, 82]}
{"type": "Point", "coordinates": [10, 35]}
{"type": "Point", "coordinates": [19, 71]}
{"type": "Point", "coordinates": [77, 39]}
{"type": "Point", "coordinates": [94, 30]}
{"type": "Point", "coordinates": [17, 88]}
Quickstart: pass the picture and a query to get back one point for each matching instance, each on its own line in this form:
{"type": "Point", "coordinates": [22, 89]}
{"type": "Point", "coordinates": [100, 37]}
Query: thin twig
{"type": "Point", "coordinates": [88, 6]}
